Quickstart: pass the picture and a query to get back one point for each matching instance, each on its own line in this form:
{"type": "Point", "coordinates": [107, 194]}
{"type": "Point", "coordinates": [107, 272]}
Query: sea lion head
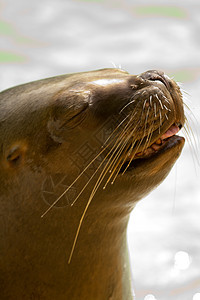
{"type": "Point", "coordinates": [126, 125]}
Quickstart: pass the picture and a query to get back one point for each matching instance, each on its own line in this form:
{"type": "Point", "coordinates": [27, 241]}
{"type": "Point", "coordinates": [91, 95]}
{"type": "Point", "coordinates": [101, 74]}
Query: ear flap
{"type": "Point", "coordinates": [16, 154]}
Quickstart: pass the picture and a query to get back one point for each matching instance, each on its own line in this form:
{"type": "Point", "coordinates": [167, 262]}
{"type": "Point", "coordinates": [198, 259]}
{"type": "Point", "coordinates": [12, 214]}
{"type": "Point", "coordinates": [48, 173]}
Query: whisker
{"type": "Point", "coordinates": [194, 122]}
{"type": "Point", "coordinates": [112, 164]}
{"type": "Point", "coordinates": [160, 120]}
{"type": "Point", "coordinates": [159, 101]}
{"type": "Point", "coordinates": [120, 150]}
{"type": "Point", "coordinates": [148, 137]}
{"type": "Point", "coordinates": [132, 156]}
{"type": "Point", "coordinates": [119, 160]}
{"type": "Point", "coordinates": [183, 91]}
{"type": "Point", "coordinates": [132, 100]}
{"type": "Point", "coordinates": [145, 101]}
{"type": "Point", "coordinates": [150, 100]}
{"type": "Point", "coordinates": [192, 141]}
{"type": "Point", "coordinates": [115, 130]}
{"type": "Point", "coordinates": [147, 115]}
{"type": "Point", "coordinates": [155, 109]}
{"type": "Point", "coordinates": [166, 107]}
{"type": "Point", "coordinates": [166, 100]}
{"type": "Point", "coordinates": [127, 105]}
{"type": "Point", "coordinates": [192, 149]}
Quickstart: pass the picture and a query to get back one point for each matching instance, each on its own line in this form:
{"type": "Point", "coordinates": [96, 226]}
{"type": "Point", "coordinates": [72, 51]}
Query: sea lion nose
{"type": "Point", "coordinates": [156, 75]}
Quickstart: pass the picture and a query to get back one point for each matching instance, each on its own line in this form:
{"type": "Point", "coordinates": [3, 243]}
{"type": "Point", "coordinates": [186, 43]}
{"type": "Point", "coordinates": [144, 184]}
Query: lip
{"type": "Point", "coordinates": [173, 144]}
{"type": "Point", "coordinates": [157, 145]}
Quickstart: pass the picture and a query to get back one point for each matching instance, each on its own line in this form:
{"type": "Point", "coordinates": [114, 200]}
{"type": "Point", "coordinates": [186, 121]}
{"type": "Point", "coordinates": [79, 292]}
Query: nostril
{"type": "Point", "coordinates": [179, 125]}
{"type": "Point", "coordinates": [158, 76]}
{"type": "Point", "coordinates": [160, 79]}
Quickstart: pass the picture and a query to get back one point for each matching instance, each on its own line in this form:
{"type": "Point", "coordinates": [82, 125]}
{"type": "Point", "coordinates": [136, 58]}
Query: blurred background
{"type": "Point", "coordinates": [41, 39]}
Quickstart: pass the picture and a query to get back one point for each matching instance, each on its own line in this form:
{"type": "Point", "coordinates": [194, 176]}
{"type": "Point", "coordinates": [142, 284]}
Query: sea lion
{"type": "Point", "coordinates": [78, 152]}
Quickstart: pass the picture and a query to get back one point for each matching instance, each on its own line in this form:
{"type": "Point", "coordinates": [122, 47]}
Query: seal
{"type": "Point", "coordinates": [77, 152]}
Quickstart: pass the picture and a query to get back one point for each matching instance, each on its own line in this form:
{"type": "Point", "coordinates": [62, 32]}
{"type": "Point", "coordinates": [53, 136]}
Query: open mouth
{"type": "Point", "coordinates": [159, 143]}
{"type": "Point", "coordinates": [168, 139]}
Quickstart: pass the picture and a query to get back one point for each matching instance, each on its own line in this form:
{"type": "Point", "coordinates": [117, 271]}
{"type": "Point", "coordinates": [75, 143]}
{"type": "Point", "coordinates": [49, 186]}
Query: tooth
{"type": "Point", "coordinates": [158, 142]}
{"type": "Point", "coordinates": [155, 147]}
{"type": "Point", "coordinates": [149, 151]}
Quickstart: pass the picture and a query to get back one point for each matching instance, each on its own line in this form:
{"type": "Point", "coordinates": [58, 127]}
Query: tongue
{"type": "Point", "coordinates": [170, 132]}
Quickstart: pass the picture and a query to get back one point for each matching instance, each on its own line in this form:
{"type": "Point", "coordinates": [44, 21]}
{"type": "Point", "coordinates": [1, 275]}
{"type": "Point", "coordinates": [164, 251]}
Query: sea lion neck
{"type": "Point", "coordinates": [43, 246]}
